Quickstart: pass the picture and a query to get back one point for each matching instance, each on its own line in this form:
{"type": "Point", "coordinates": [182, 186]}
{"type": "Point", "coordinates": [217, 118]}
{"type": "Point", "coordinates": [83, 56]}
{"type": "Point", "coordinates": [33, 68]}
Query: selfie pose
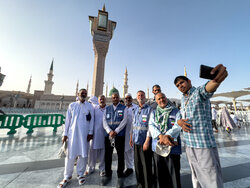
{"type": "Point", "coordinates": [195, 120]}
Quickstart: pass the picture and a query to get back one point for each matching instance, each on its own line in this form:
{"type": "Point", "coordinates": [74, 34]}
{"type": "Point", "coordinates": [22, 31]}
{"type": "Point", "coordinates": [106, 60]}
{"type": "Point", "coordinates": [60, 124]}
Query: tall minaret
{"type": "Point", "coordinates": [49, 83]}
{"type": "Point", "coordinates": [185, 72]}
{"type": "Point", "coordinates": [125, 86]}
{"type": "Point", "coordinates": [102, 31]}
{"type": "Point", "coordinates": [148, 93]}
{"type": "Point", "coordinates": [106, 90]}
{"type": "Point", "coordinates": [88, 89]}
{"type": "Point", "coordinates": [77, 87]}
{"type": "Point", "coordinates": [29, 85]}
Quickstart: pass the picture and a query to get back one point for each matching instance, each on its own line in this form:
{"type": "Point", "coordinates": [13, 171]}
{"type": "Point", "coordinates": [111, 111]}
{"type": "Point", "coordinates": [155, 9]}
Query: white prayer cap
{"type": "Point", "coordinates": [128, 95]}
{"type": "Point", "coordinates": [93, 100]}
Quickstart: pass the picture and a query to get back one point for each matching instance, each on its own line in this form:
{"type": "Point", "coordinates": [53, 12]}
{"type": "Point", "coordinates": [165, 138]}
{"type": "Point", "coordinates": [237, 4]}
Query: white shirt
{"type": "Point", "coordinates": [129, 125]}
{"type": "Point", "coordinates": [214, 114]}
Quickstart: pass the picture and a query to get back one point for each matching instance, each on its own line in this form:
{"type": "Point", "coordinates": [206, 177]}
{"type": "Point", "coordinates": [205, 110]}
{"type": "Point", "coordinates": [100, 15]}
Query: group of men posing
{"type": "Point", "coordinates": [136, 131]}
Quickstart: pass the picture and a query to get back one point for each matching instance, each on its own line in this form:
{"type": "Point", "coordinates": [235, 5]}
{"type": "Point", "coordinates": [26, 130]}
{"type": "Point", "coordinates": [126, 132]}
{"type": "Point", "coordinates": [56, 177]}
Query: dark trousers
{"type": "Point", "coordinates": [143, 166]}
{"type": "Point", "coordinates": [119, 146]}
{"type": "Point", "coordinates": [168, 171]}
{"type": "Point", "coordinates": [214, 124]}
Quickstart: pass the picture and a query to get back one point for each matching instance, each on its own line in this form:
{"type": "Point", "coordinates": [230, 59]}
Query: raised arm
{"type": "Point", "coordinates": [215, 83]}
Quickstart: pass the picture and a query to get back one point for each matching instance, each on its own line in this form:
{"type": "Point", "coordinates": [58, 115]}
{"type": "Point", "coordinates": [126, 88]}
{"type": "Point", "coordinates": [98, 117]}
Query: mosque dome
{"type": "Point", "coordinates": [113, 90]}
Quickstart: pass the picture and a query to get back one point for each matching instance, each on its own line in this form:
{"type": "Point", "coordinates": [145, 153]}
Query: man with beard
{"type": "Point", "coordinates": [96, 150]}
{"type": "Point", "coordinates": [195, 120]}
{"type": "Point", "coordinates": [140, 140]}
{"type": "Point", "coordinates": [114, 123]}
{"type": "Point", "coordinates": [78, 132]}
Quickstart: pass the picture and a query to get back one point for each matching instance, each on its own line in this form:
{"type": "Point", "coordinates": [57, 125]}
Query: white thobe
{"type": "Point", "coordinates": [129, 152]}
{"type": "Point", "coordinates": [77, 128]}
{"type": "Point", "coordinates": [97, 147]}
{"type": "Point", "coordinates": [128, 126]}
{"type": "Point", "coordinates": [99, 132]}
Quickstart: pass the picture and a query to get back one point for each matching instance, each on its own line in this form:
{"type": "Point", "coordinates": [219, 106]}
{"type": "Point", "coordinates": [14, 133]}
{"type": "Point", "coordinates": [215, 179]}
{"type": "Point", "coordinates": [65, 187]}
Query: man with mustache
{"type": "Point", "coordinates": [78, 132]}
{"type": "Point", "coordinates": [96, 150]}
{"type": "Point", "coordinates": [114, 123]}
{"type": "Point", "coordinates": [140, 141]}
{"type": "Point", "coordinates": [195, 120]}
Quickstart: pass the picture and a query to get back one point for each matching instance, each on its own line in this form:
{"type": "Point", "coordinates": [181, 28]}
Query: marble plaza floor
{"type": "Point", "coordinates": [31, 161]}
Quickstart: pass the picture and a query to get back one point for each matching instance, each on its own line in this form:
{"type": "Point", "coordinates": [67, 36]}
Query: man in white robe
{"type": "Point", "coordinates": [129, 152]}
{"type": "Point", "coordinates": [78, 132]}
{"type": "Point", "coordinates": [97, 147]}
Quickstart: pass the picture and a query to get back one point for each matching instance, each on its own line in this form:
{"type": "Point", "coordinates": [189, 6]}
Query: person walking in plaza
{"type": "Point", "coordinates": [78, 132]}
{"type": "Point", "coordinates": [195, 120]}
{"type": "Point", "coordinates": [163, 129]}
{"type": "Point", "coordinates": [114, 123]}
{"type": "Point", "coordinates": [129, 152]}
{"type": "Point", "coordinates": [214, 116]}
{"type": "Point", "coordinates": [97, 147]}
{"type": "Point", "coordinates": [140, 140]}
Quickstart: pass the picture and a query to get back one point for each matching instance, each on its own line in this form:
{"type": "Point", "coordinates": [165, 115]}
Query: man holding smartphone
{"type": "Point", "coordinates": [195, 120]}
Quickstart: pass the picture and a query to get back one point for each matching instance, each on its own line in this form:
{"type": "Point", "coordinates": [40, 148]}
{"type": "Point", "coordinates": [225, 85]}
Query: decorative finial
{"type": "Point", "coordinates": [51, 66]}
{"type": "Point", "coordinates": [103, 8]}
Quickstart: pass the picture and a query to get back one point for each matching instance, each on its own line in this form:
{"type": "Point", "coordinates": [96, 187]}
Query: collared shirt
{"type": "Point", "coordinates": [197, 108]}
{"type": "Point", "coordinates": [122, 124]}
{"type": "Point", "coordinates": [137, 113]}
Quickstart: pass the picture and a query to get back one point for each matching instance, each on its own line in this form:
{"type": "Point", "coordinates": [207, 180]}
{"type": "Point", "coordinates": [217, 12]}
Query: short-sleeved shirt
{"type": "Point", "coordinates": [197, 109]}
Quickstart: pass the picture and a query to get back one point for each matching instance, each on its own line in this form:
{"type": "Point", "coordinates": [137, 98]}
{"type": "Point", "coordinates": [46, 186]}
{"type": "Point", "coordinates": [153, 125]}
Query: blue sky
{"type": "Point", "coordinates": [154, 39]}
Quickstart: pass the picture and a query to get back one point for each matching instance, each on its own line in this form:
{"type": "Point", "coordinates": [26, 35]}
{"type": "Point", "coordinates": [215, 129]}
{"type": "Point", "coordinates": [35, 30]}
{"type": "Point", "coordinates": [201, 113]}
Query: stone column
{"type": "Point", "coordinates": [100, 49]}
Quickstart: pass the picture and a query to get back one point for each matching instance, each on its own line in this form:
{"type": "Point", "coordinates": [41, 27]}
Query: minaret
{"type": "Point", "coordinates": [49, 83]}
{"type": "Point", "coordinates": [106, 90]}
{"type": "Point", "coordinates": [29, 85]}
{"type": "Point", "coordinates": [185, 72]}
{"type": "Point", "coordinates": [125, 86]}
{"type": "Point", "coordinates": [88, 89]}
{"type": "Point", "coordinates": [148, 93]}
{"type": "Point", "coordinates": [77, 87]}
{"type": "Point", "coordinates": [102, 31]}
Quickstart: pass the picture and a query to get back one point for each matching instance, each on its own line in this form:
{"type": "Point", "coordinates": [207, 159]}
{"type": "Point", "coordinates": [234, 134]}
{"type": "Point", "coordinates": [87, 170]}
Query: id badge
{"type": "Point", "coordinates": [108, 116]}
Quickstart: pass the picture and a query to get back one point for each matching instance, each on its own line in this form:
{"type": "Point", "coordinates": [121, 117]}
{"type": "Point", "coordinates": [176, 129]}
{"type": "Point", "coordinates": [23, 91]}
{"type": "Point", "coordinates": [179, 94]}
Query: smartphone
{"type": "Point", "coordinates": [205, 72]}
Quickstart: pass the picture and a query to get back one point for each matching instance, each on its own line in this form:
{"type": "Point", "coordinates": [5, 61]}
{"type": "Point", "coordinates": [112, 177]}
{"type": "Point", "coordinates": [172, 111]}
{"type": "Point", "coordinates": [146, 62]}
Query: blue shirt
{"type": "Point", "coordinates": [173, 129]}
{"type": "Point", "coordinates": [140, 124]}
{"type": "Point", "coordinates": [197, 108]}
